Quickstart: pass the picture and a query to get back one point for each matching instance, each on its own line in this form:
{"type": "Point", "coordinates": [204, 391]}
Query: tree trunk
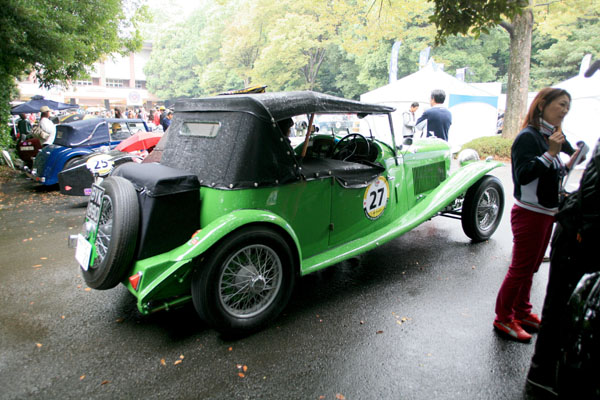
{"type": "Point", "coordinates": [518, 73]}
{"type": "Point", "coordinates": [311, 70]}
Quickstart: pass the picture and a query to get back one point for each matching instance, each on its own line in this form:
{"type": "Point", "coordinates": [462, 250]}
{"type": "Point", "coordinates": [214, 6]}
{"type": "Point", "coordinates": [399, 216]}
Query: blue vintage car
{"type": "Point", "coordinates": [78, 139]}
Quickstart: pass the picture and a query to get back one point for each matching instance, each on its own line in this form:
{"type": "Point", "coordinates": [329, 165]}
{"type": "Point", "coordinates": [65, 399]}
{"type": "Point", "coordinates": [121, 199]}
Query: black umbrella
{"type": "Point", "coordinates": [37, 102]}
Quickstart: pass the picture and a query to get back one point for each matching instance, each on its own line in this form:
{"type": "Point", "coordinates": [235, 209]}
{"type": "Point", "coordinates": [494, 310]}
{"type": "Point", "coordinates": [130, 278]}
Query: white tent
{"type": "Point", "coordinates": [474, 111]}
{"type": "Point", "coordinates": [580, 122]}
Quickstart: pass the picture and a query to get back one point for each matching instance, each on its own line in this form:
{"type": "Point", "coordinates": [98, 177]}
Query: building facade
{"type": "Point", "coordinates": [117, 81]}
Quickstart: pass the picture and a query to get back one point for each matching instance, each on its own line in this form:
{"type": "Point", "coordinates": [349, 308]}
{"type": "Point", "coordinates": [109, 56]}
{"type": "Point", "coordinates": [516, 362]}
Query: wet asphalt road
{"type": "Point", "coordinates": [409, 320]}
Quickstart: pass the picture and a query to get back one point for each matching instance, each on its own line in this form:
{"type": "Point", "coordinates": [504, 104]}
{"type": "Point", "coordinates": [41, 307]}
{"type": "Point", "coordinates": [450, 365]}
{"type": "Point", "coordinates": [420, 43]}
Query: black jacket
{"type": "Point", "coordinates": [536, 177]}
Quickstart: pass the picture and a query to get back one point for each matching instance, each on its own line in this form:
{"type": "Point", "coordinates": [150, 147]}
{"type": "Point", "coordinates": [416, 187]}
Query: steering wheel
{"type": "Point", "coordinates": [348, 145]}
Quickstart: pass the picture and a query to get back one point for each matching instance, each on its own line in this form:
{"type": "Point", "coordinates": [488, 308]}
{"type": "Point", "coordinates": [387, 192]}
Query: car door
{"type": "Point", "coordinates": [358, 211]}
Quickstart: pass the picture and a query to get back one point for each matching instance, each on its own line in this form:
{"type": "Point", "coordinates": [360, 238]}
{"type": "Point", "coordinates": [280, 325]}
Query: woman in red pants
{"type": "Point", "coordinates": [537, 171]}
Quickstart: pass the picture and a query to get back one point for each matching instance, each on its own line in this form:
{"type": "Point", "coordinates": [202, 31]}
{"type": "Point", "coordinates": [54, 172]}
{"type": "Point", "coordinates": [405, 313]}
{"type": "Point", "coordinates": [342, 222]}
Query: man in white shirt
{"type": "Point", "coordinates": [47, 126]}
{"type": "Point", "coordinates": [410, 119]}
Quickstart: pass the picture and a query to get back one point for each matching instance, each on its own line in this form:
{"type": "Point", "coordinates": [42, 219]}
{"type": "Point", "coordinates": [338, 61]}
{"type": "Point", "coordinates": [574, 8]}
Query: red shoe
{"type": "Point", "coordinates": [513, 330]}
{"type": "Point", "coordinates": [530, 323]}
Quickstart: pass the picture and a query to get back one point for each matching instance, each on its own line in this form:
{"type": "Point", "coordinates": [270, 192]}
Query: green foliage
{"type": "Point", "coordinates": [170, 71]}
{"type": "Point", "coordinates": [7, 91]}
{"type": "Point", "coordinates": [485, 57]}
{"type": "Point", "coordinates": [343, 48]}
{"type": "Point", "coordinates": [556, 60]}
{"type": "Point", "coordinates": [453, 17]}
{"type": "Point", "coordinates": [495, 146]}
{"type": "Point", "coordinates": [60, 39]}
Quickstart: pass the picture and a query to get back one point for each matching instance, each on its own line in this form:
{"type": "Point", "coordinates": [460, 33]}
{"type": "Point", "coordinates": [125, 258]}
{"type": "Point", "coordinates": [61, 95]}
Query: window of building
{"type": "Point", "coordinates": [140, 84]}
{"type": "Point", "coordinates": [117, 83]}
{"type": "Point", "coordinates": [82, 83]}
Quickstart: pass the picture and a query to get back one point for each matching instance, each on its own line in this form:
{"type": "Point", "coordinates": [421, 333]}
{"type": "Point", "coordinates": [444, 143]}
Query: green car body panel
{"type": "Point", "coordinates": [166, 276]}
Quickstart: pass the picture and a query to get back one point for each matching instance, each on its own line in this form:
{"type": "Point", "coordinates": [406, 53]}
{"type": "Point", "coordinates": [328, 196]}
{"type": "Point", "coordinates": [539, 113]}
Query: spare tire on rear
{"type": "Point", "coordinates": [117, 234]}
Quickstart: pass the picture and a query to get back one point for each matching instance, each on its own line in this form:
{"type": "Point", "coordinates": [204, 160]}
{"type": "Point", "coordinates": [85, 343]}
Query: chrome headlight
{"type": "Point", "coordinates": [467, 156]}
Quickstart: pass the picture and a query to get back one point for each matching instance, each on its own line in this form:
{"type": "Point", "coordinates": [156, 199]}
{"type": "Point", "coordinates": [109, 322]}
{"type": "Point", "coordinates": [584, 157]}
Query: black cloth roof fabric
{"type": "Point", "coordinates": [76, 133]}
{"type": "Point", "coordinates": [248, 149]}
{"type": "Point", "coordinates": [281, 105]}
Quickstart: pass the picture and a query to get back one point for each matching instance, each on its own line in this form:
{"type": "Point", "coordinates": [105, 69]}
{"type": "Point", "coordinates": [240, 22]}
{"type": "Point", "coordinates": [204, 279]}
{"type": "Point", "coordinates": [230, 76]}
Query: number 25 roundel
{"type": "Point", "coordinates": [376, 198]}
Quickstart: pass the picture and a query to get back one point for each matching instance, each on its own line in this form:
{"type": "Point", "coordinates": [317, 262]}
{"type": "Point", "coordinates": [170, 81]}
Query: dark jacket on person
{"type": "Point", "coordinates": [439, 120]}
{"type": "Point", "coordinates": [536, 174]}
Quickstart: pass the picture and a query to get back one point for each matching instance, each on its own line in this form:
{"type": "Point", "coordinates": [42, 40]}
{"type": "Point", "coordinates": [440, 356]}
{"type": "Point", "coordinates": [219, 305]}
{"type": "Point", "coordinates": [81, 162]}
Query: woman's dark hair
{"type": "Point", "coordinates": [541, 100]}
{"type": "Point", "coordinates": [415, 104]}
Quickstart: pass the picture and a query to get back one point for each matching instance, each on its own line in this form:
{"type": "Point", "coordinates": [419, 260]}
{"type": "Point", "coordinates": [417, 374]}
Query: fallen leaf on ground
{"type": "Point", "coordinates": [104, 382]}
{"type": "Point", "coordinates": [340, 396]}
{"type": "Point", "coordinates": [177, 362]}
{"type": "Point", "coordinates": [43, 258]}
{"type": "Point", "coordinates": [38, 345]}
{"type": "Point", "coordinates": [163, 362]}
{"type": "Point", "coordinates": [87, 289]}
{"type": "Point", "coordinates": [379, 332]}
{"type": "Point", "coordinates": [241, 375]}
{"type": "Point", "coordinates": [37, 265]}
{"type": "Point", "coordinates": [119, 320]}
{"type": "Point", "coordinates": [181, 356]}
{"type": "Point", "coordinates": [245, 368]}
{"type": "Point", "coordinates": [231, 348]}
{"type": "Point", "coordinates": [82, 377]}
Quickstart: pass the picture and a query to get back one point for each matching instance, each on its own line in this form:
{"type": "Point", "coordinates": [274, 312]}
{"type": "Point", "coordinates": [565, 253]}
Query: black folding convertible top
{"type": "Point", "coordinates": [281, 105]}
{"type": "Point", "coordinates": [248, 149]}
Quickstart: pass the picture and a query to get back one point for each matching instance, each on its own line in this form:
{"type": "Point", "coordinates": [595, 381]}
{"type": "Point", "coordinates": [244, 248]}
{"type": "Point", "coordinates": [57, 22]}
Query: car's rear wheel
{"type": "Point", "coordinates": [117, 234]}
{"type": "Point", "coordinates": [71, 162]}
{"type": "Point", "coordinates": [245, 282]}
{"type": "Point", "coordinates": [482, 208]}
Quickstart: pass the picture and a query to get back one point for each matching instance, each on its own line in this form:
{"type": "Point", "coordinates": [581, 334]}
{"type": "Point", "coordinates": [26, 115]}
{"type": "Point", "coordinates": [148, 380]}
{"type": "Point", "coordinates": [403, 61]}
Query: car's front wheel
{"type": "Point", "coordinates": [245, 282]}
{"type": "Point", "coordinates": [482, 208]}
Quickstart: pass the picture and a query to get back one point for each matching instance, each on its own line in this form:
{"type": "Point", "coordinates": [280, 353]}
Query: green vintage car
{"type": "Point", "coordinates": [232, 215]}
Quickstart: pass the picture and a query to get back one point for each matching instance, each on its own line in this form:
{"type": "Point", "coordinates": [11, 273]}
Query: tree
{"type": "Point", "coordinates": [244, 41]}
{"type": "Point", "coordinates": [170, 69]}
{"type": "Point", "coordinates": [297, 44]}
{"type": "Point", "coordinates": [480, 16]}
{"type": "Point", "coordinates": [60, 39]}
{"type": "Point", "coordinates": [558, 52]}
{"type": "Point", "coordinates": [517, 17]}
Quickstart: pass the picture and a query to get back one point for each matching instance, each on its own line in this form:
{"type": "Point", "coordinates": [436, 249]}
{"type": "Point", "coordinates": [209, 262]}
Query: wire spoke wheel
{"type": "Point", "coordinates": [482, 208]}
{"type": "Point", "coordinates": [487, 208]}
{"type": "Point", "coordinates": [250, 280]}
{"type": "Point", "coordinates": [245, 281]}
{"type": "Point", "coordinates": [105, 226]}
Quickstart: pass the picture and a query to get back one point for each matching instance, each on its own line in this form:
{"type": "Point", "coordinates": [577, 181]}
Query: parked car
{"type": "Point", "coordinates": [28, 149]}
{"type": "Point", "coordinates": [77, 179]}
{"type": "Point", "coordinates": [77, 139]}
{"type": "Point", "coordinates": [233, 215]}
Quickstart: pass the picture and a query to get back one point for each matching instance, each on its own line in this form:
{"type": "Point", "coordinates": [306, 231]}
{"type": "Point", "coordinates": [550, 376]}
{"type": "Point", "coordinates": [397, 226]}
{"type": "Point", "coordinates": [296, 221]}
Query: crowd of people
{"type": "Point", "coordinates": [42, 125]}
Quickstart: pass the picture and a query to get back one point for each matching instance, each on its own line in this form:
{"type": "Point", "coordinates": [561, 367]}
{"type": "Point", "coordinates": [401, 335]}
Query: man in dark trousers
{"type": "Point", "coordinates": [438, 117]}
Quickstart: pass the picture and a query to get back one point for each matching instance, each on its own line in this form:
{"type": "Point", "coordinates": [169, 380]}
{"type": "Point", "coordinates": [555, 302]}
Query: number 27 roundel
{"type": "Point", "coordinates": [376, 198]}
